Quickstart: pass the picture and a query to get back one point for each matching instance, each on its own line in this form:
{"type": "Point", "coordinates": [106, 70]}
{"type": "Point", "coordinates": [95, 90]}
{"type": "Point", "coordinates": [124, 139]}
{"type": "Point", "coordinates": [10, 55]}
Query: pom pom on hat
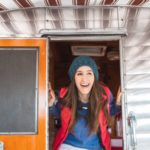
{"type": "Point", "coordinates": [83, 61]}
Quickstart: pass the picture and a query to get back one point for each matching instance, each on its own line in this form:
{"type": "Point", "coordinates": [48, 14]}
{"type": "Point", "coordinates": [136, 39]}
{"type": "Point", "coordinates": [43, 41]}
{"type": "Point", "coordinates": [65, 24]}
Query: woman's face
{"type": "Point", "coordinates": [84, 79]}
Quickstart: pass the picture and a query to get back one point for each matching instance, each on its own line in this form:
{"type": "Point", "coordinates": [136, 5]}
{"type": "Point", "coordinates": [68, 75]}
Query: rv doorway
{"type": "Point", "coordinates": [106, 54]}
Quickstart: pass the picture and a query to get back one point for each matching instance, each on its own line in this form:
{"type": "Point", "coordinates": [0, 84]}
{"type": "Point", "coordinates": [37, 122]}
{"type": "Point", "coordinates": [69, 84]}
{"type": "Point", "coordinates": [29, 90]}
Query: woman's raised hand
{"type": "Point", "coordinates": [119, 96]}
{"type": "Point", "coordinates": [52, 97]}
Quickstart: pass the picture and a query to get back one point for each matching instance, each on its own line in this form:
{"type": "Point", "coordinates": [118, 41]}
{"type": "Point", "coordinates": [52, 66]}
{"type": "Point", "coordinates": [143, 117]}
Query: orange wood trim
{"type": "Point", "coordinates": [30, 142]}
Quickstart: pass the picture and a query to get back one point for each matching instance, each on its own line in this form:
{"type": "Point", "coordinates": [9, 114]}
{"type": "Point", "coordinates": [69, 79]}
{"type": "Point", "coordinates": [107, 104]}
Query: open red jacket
{"type": "Point", "coordinates": [65, 120]}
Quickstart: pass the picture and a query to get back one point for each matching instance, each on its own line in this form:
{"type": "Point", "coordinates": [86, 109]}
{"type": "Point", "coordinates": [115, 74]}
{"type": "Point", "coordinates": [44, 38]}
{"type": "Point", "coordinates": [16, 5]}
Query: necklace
{"type": "Point", "coordinates": [84, 107]}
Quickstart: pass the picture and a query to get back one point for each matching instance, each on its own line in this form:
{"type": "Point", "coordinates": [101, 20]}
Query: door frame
{"type": "Point", "coordinates": [119, 37]}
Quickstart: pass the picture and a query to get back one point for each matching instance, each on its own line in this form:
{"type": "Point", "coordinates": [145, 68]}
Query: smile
{"type": "Point", "coordinates": [85, 85]}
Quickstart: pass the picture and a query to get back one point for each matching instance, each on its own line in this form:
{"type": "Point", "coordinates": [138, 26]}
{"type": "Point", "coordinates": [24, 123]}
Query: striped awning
{"type": "Point", "coordinates": [37, 17]}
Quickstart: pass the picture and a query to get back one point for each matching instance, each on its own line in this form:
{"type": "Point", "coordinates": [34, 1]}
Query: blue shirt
{"type": "Point", "coordinates": [80, 136]}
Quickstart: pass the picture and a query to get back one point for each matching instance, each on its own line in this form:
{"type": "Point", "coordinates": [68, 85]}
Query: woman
{"type": "Point", "coordinates": [84, 108]}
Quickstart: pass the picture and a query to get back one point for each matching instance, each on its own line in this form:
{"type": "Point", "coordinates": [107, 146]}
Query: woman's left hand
{"type": "Point", "coordinates": [119, 96]}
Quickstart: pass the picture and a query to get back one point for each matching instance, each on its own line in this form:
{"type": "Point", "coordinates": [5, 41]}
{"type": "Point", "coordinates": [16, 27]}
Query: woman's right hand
{"type": "Point", "coordinates": [52, 97]}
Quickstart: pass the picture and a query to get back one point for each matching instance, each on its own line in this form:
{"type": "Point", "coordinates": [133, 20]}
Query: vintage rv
{"type": "Point", "coordinates": [38, 40]}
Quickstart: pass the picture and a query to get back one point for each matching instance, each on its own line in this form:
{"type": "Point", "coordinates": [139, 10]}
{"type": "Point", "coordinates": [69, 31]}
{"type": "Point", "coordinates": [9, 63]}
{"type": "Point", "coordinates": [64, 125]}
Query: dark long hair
{"type": "Point", "coordinates": [96, 103]}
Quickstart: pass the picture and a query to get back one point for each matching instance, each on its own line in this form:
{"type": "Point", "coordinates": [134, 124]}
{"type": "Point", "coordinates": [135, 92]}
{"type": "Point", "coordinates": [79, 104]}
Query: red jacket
{"type": "Point", "coordinates": [65, 120]}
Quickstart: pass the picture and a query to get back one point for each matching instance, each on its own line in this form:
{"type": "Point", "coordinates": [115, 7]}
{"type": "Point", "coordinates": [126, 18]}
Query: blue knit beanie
{"type": "Point", "coordinates": [83, 61]}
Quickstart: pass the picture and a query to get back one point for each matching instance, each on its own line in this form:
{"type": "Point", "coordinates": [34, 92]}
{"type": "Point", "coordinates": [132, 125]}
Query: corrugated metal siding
{"type": "Point", "coordinates": [136, 75]}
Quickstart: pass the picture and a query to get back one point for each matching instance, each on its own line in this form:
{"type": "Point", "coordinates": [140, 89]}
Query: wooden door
{"type": "Point", "coordinates": [23, 99]}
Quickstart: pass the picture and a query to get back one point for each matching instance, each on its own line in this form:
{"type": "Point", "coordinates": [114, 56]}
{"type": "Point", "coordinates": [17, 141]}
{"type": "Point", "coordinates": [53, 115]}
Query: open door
{"type": "Point", "coordinates": [105, 51]}
{"type": "Point", "coordinates": [23, 99]}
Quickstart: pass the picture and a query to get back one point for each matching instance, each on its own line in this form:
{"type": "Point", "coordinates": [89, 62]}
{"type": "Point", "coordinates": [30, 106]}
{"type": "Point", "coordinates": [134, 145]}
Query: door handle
{"type": "Point", "coordinates": [132, 123]}
{"type": "Point", "coordinates": [1, 145]}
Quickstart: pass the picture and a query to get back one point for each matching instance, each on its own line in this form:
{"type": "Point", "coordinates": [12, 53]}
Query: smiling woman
{"type": "Point", "coordinates": [83, 110]}
{"type": "Point", "coordinates": [84, 79]}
